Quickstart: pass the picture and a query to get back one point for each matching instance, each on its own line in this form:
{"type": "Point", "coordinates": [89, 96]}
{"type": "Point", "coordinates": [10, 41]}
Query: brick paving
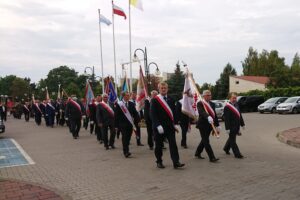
{"type": "Point", "coordinates": [290, 137]}
{"type": "Point", "coordinates": [83, 170]}
{"type": "Point", "coordinates": [16, 190]}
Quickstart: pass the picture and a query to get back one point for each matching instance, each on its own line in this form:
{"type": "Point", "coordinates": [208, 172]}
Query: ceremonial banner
{"type": "Point", "coordinates": [141, 92]}
{"type": "Point", "coordinates": [190, 97]}
{"type": "Point", "coordinates": [110, 91]}
{"type": "Point", "coordinates": [89, 96]}
{"type": "Point", "coordinates": [137, 3]}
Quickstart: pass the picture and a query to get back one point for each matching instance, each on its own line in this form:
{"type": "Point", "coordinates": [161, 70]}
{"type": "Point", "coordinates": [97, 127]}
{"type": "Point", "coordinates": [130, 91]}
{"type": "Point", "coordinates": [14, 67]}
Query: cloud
{"type": "Point", "coordinates": [39, 35]}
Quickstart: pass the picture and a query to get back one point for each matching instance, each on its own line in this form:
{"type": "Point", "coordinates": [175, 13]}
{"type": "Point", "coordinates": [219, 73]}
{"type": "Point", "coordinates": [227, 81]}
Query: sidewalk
{"type": "Point", "coordinates": [290, 137]}
{"type": "Point", "coordinates": [17, 190]}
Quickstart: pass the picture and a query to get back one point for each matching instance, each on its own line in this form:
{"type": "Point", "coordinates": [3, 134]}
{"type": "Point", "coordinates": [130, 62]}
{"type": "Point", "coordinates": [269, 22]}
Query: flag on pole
{"type": "Point", "coordinates": [110, 91]}
{"type": "Point", "coordinates": [118, 11]}
{"type": "Point", "coordinates": [89, 95]}
{"type": "Point", "coordinates": [47, 94]}
{"type": "Point", "coordinates": [125, 85]}
{"type": "Point", "coordinates": [190, 97]}
{"type": "Point", "coordinates": [58, 92]}
{"type": "Point", "coordinates": [137, 3]}
{"type": "Point", "coordinates": [104, 20]}
{"type": "Point", "coordinates": [141, 92]}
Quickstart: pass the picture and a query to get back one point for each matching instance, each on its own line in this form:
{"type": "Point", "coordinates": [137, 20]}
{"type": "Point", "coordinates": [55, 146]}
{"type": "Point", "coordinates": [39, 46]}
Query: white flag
{"type": "Point", "coordinates": [104, 20]}
{"type": "Point", "coordinates": [190, 97]}
{"type": "Point", "coordinates": [141, 93]}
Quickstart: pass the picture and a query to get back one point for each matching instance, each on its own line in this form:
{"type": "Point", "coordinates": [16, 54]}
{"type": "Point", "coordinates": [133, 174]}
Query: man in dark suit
{"type": "Point", "coordinates": [163, 117]}
{"type": "Point", "coordinates": [233, 122]}
{"type": "Point", "coordinates": [26, 111]}
{"type": "Point", "coordinates": [138, 128]}
{"type": "Point", "coordinates": [37, 112]}
{"type": "Point", "coordinates": [105, 120]}
{"type": "Point", "coordinates": [50, 113]}
{"type": "Point", "coordinates": [92, 115]}
{"type": "Point", "coordinates": [147, 116]}
{"type": "Point", "coordinates": [207, 118]}
{"type": "Point", "coordinates": [3, 111]}
{"type": "Point", "coordinates": [126, 119]}
{"type": "Point", "coordinates": [184, 122]}
{"type": "Point", "coordinates": [43, 109]}
{"type": "Point", "coordinates": [74, 113]}
{"type": "Point", "coordinates": [98, 129]}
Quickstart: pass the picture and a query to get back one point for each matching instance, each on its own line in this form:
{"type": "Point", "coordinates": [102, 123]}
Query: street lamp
{"type": "Point", "coordinates": [145, 62]}
{"type": "Point", "coordinates": [93, 74]}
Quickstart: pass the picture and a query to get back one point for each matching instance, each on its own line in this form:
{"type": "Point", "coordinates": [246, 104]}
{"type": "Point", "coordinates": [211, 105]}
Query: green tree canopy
{"type": "Point", "coordinates": [222, 85]}
{"type": "Point", "coordinates": [176, 83]}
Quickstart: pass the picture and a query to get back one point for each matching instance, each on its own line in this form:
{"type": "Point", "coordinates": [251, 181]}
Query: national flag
{"type": "Point", "coordinates": [104, 20]}
{"type": "Point", "coordinates": [110, 90]}
{"type": "Point", "coordinates": [118, 11]}
{"type": "Point", "coordinates": [89, 95]}
{"type": "Point", "coordinates": [137, 3]}
{"type": "Point", "coordinates": [141, 92]}
{"type": "Point", "coordinates": [125, 85]}
{"type": "Point", "coordinates": [190, 97]}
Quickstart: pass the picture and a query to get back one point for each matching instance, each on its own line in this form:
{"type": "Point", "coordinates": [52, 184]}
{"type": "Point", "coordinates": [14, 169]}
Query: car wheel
{"type": "Point", "coordinates": [295, 111]}
{"type": "Point", "coordinates": [273, 110]}
{"type": "Point", "coordinates": [261, 112]}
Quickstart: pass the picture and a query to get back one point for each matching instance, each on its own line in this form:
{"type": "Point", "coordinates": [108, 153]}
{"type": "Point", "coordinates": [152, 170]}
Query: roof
{"type": "Point", "coordinates": [256, 79]}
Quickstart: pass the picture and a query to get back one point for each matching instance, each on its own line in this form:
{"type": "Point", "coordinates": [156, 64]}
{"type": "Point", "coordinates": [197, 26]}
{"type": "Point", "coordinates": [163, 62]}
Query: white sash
{"type": "Point", "coordinates": [209, 109]}
{"type": "Point", "coordinates": [26, 107]}
{"type": "Point", "coordinates": [126, 113]}
{"type": "Point", "coordinates": [233, 109]}
{"type": "Point", "coordinates": [108, 108]}
{"type": "Point", "coordinates": [165, 106]}
{"type": "Point", "coordinates": [37, 106]}
{"type": "Point", "coordinates": [49, 104]}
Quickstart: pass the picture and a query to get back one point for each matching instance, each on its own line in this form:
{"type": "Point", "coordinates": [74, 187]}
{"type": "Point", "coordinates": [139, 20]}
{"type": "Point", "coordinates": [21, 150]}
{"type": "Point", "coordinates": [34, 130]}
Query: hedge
{"type": "Point", "coordinates": [274, 92]}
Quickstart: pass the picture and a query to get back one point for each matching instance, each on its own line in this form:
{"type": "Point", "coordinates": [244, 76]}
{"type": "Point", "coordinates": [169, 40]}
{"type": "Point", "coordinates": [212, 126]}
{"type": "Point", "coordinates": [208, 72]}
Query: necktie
{"type": "Point", "coordinates": [126, 104]}
{"type": "Point", "coordinates": [165, 98]}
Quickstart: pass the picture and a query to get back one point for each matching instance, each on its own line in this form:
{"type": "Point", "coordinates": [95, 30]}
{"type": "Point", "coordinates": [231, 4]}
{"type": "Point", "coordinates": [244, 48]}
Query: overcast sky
{"type": "Point", "coordinates": [38, 35]}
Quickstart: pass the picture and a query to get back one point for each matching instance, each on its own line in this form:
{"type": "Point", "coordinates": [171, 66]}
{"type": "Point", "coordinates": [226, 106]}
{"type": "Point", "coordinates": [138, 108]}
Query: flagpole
{"type": "Point", "coordinates": [115, 65]}
{"type": "Point", "coordinates": [130, 60]}
{"type": "Point", "coordinates": [101, 56]}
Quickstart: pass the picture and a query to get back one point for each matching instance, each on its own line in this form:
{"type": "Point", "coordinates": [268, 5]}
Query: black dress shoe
{"type": "Point", "coordinates": [214, 160]}
{"type": "Point", "coordinates": [140, 144]}
{"type": "Point", "coordinates": [185, 146]}
{"type": "Point", "coordinates": [178, 165]}
{"type": "Point", "coordinates": [227, 152]}
{"type": "Point", "coordinates": [106, 147]}
{"type": "Point", "coordinates": [160, 165]}
{"type": "Point", "coordinates": [151, 148]}
{"type": "Point", "coordinates": [239, 157]}
{"type": "Point", "coordinates": [199, 156]}
{"type": "Point", "coordinates": [112, 146]}
{"type": "Point", "coordinates": [127, 155]}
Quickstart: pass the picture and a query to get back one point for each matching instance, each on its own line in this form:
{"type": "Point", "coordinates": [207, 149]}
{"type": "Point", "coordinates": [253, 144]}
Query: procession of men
{"type": "Point", "coordinates": [163, 118]}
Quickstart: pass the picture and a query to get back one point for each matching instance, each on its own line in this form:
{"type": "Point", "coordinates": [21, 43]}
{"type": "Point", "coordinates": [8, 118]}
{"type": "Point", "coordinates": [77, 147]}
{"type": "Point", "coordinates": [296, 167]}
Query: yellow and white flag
{"type": "Point", "coordinates": [137, 3]}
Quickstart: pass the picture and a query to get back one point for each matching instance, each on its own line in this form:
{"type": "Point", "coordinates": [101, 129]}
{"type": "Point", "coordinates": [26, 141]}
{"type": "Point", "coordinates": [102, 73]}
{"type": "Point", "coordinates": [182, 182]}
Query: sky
{"type": "Point", "coordinates": [37, 35]}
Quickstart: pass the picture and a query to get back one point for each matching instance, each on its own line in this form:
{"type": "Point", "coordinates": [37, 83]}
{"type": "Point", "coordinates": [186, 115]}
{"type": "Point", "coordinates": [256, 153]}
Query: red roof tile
{"type": "Point", "coordinates": [256, 79]}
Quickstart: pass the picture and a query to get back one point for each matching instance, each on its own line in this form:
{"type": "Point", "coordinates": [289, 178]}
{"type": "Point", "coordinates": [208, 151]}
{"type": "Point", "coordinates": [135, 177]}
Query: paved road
{"type": "Point", "coordinates": [82, 168]}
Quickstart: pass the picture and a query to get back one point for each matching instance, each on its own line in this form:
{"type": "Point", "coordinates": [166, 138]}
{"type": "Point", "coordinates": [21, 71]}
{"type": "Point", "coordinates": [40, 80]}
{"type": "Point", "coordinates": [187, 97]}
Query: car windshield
{"type": "Point", "coordinates": [272, 100]}
{"type": "Point", "coordinates": [218, 105]}
{"type": "Point", "coordinates": [291, 100]}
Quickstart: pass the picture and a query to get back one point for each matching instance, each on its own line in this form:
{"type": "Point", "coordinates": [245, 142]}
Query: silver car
{"type": "Point", "coordinates": [291, 105]}
{"type": "Point", "coordinates": [271, 104]}
{"type": "Point", "coordinates": [220, 108]}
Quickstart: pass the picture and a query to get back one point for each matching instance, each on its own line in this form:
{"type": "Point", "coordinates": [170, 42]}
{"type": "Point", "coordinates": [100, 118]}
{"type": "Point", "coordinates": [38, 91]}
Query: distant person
{"type": "Point", "coordinates": [37, 112]}
{"type": "Point", "coordinates": [233, 122]}
{"type": "Point", "coordinates": [184, 122]}
{"type": "Point", "coordinates": [26, 111]}
{"type": "Point", "coordinates": [50, 112]}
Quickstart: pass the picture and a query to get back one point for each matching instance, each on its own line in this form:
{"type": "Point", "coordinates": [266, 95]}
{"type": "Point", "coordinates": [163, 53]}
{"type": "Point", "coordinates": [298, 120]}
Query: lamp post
{"type": "Point", "coordinates": [93, 74]}
{"type": "Point", "coordinates": [145, 62]}
{"type": "Point", "coordinates": [157, 73]}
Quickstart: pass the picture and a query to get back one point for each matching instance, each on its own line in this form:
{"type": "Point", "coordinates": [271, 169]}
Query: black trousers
{"type": "Point", "coordinates": [231, 143]}
{"type": "Point", "coordinates": [46, 120]}
{"type": "Point", "coordinates": [150, 133]}
{"type": "Point", "coordinates": [51, 119]}
{"type": "Point", "coordinates": [86, 122]}
{"type": "Point", "coordinates": [98, 132]}
{"type": "Point", "coordinates": [58, 115]}
{"type": "Point", "coordinates": [205, 133]}
{"type": "Point", "coordinates": [138, 134]}
{"type": "Point", "coordinates": [92, 127]}
{"type": "Point", "coordinates": [75, 125]}
{"type": "Point", "coordinates": [26, 115]}
{"type": "Point", "coordinates": [105, 135]}
{"type": "Point", "coordinates": [159, 140]}
{"type": "Point", "coordinates": [38, 119]}
{"type": "Point", "coordinates": [126, 136]}
{"type": "Point", "coordinates": [184, 129]}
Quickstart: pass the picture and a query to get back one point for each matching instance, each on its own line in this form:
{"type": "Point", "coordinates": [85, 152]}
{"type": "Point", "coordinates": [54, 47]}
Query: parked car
{"type": "Point", "coordinates": [271, 104]}
{"type": "Point", "coordinates": [220, 108]}
{"type": "Point", "coordinates": [291, 105]}
{"type": "Point", "coordinates": [2, 126]}
{"type": "Point", "coordinates": [249, 103]}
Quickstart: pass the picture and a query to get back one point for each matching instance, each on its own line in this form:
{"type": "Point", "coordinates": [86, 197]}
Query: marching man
{"type": "Point", "coordinates": [233, 122]}
{"type": "Point", "coordinates": [163, 117]}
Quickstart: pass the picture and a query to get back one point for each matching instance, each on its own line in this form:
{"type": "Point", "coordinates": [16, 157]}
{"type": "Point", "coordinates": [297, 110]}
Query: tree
{"type": "Point", "coordinates": [222, 85]}
{"type": "Point", "coordinates": [176, 83]}
{"type": "Point", "coordinates": [5, 84]}
{"type": "Point", "coordinates": [250, 63]}
{"type": "Point", "coordinates": [295, 70]}
{"type": "Point", "coordinates": [19, 88]}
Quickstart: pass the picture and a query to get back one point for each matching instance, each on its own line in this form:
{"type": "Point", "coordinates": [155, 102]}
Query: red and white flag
{"type": "Point", "coordinates": [118, 11]}
{"type": "Point", "coordinates": [141, 93]}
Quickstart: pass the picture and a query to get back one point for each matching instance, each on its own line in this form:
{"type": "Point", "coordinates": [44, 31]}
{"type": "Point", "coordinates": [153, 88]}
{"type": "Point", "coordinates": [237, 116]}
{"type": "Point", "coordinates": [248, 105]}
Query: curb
{"type": "Point", "coordinates": [284, 139]}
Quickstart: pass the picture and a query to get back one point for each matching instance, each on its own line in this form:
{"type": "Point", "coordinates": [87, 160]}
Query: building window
{"type": "Point", "coordinates": [237, 82]}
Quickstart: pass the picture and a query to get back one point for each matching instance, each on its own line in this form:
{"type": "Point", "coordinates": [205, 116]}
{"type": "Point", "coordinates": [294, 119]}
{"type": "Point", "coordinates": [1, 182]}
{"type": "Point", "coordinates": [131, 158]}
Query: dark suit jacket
{"type": "Point", "coordinates": [160, 117]}
{"type": "Point", "coordinates": [72, 112]}
{"type": "Point", "coordinates": [92, 108]}
{"type": "Point", "coordinates": [103, 116]}
{"type": "Point", "coordinates": [50, 111]}
{"type": "Point", "coordinates": [182, 118]}
{"type": "Point", "coordinates": [232, 121]}
{"type": "Point", "coordinates": [120, 119]}
{"type": "Point", "coordinates": [147, 115]}
{"type": "Point", "coordinates": [203, 115]}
